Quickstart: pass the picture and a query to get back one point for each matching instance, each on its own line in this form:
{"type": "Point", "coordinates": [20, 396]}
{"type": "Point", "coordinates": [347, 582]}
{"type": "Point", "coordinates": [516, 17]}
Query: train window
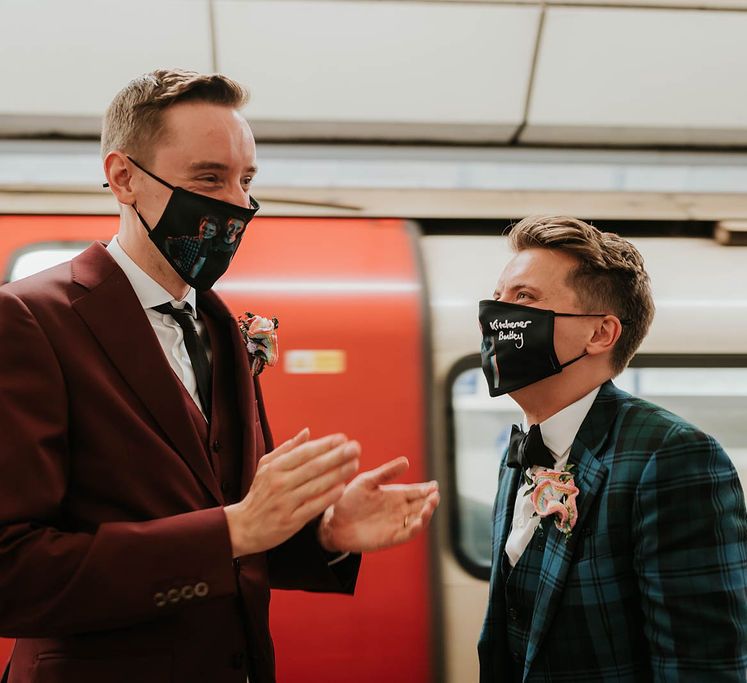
{"type": "Point", "coordinates": [38, 257]}
{"type": "Point", "coordinates": [710, 392]}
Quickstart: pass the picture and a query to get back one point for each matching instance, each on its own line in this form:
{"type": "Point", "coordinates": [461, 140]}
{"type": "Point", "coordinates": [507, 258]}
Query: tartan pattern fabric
{"type": "Point", "coordinates": [521, 585]}
{"type": "Point", "coordinates": [652, 584]}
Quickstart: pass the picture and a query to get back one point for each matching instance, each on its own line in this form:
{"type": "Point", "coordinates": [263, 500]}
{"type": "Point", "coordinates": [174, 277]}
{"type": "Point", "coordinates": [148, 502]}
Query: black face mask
{"type": "Point", "coordinates": [196, 234]}
{"type": "Point", "coordinates": [517, 344]}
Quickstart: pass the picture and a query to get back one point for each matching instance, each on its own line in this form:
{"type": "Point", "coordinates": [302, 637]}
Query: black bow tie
{"type": "Point", "coordinates": [528, 449]}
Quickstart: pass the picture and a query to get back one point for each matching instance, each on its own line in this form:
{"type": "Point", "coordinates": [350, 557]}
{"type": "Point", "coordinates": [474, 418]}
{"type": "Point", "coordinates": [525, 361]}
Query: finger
{"type": "Point", "coordinates": [386, 472]}
{"type": "Point", "coordinates": [405, 533]}
{"type": "Point", "coordinates": [429, 508]}
{"type": "Point", "coordinates": [420, 519]}
{"type": "Point", "coordinates": [413, 492]}
{"type": "Point", "coordinates": [309, 450]}
{"type": "Point", "coordinates": [322, 464]}
{"type": "Point", "coordinates": [314, 507]}
{"type": "Point", "coordinates": [293, 442]}
{"type": "Point", "coordinates": [321, 484]}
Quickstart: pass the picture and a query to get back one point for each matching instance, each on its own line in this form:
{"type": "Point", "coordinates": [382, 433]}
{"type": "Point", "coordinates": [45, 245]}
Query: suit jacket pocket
{"type": "Point", "coordinates": [59, 667]}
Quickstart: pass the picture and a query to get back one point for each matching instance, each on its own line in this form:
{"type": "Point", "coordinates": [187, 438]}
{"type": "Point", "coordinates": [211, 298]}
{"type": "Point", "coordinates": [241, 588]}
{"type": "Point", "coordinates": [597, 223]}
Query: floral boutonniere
{"type": "Point", "coordinates": [261, 339]}
{"type": "Point", "coordinates": [554, 493]}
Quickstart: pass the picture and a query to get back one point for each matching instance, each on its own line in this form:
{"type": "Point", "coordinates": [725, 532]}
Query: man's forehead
{"type": "Point", "coordinates": [204, 136]}
{"type": "Point", "coordinates": [542, 269]}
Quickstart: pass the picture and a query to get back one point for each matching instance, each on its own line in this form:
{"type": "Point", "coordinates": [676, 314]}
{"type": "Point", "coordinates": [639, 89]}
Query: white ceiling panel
{"type": "Point", "coordinates": [640, 76]}
{"type": "Point", "coordinates": [379, 69]}
{"type": "Point", "coordinates": [62, 62]}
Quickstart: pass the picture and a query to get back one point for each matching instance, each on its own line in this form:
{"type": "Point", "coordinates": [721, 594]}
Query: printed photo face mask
{"type": "Point", "coordinates": [517, 344]}
{"type": "Point", "coordinates": [196, 234]}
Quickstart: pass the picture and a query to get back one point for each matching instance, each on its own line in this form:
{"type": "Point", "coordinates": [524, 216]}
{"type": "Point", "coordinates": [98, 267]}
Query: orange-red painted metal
{"type": "Point", "coordinates": [349, 285]}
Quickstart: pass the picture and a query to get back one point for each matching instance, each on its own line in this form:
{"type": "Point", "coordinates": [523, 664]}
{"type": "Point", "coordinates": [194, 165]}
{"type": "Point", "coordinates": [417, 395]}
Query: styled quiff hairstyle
{"type": "Point", "coordinates": [133, 121]}
{"type": "Point", "coordinates": [610, 276]}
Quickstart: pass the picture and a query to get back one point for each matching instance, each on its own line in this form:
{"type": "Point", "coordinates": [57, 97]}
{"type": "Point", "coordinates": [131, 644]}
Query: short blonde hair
{"type": "Point", "coordinates": [133, 122]}
{"type": "Point", "coordinates": [610, 276]}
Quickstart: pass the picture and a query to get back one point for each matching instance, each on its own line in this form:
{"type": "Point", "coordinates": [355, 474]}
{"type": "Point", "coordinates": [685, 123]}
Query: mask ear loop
{"type": "Point", "coordinates": [157, 179]}
{"type": "Point", "coordinates": [586, 315]}
{"type": "Point", "coordinates": [152, 175]}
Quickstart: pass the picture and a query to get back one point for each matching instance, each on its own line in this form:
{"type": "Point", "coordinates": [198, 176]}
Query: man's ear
{"type": "Point", "coordinates": [606, 333]}
{"type": "Point", "coordinates": [119, 175]}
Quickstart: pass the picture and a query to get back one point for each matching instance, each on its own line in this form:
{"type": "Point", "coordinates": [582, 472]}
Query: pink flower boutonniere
{"type": "Point", "coordinates": [261, 339]}
{"type": "Point", "coordinates": [554, 493]}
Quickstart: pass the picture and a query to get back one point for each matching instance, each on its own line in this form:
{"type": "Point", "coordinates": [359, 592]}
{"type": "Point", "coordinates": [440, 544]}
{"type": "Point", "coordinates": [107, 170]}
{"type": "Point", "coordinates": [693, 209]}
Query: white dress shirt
{"type": "Point", "coordinates": [558, 433]}
{"type": "Point", "coordinates": [170, 335]}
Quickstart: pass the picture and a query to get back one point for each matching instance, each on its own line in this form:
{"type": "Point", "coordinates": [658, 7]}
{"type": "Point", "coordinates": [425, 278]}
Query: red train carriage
{"type": "Point", "coordinates": [350, 302]}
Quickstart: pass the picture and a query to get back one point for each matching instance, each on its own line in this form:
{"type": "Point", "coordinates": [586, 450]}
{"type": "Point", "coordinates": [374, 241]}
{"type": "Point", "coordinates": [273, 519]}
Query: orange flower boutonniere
{"type": "Point", "coordinates": [261, 339]}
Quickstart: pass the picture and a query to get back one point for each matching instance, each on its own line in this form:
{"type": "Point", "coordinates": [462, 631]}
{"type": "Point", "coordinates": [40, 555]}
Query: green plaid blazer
{"type": "Point", "coordinates": [652, 584]}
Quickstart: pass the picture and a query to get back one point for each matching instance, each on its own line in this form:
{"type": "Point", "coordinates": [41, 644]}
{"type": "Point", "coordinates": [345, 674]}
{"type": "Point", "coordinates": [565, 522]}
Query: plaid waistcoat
{"type": "Point", "coordinates": [521, 584]}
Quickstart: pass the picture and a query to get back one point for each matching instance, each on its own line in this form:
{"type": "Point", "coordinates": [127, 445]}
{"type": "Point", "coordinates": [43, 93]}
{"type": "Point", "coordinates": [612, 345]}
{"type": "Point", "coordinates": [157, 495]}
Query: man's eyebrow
{"type": "Point", "coordinates": [516, 287]}
{"type": "Point", "coordinates": [217, 166]}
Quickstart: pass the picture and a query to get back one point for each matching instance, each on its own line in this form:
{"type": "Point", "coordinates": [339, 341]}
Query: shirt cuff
{"type": "Point", "coordinates": [339, 558]}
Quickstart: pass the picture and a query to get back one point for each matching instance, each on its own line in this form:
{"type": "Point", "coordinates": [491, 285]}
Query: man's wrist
{"type": "Point", "coordinates": [236, 532]}
{"type": "Point", "coordinates": [325, 535]}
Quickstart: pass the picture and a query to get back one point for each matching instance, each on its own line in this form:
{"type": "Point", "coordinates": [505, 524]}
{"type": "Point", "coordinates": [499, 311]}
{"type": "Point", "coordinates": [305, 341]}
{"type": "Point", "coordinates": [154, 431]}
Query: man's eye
{"type": "Point", "coordinates": [246, 181]}
{"type": "Point", "coordinates": [209, 179]}
{"type": "Point", "coordinates": [523, 295]}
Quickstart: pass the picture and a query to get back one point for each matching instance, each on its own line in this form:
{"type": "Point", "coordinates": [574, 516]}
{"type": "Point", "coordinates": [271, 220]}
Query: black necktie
{"type": "Point", "coordinates": [527, 450]}
{"type": "Point", "coordinates": [195, 350]}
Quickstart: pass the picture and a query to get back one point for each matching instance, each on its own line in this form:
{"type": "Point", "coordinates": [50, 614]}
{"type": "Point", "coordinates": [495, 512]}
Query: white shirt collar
{"type": "Point", "coordinates": [147, 290]}
{"type": "Point", "coordinates": [559, 430]}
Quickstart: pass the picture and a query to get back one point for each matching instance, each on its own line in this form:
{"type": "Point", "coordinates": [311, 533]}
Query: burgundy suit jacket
{"type": "Point", "coordinates": [115, 559]}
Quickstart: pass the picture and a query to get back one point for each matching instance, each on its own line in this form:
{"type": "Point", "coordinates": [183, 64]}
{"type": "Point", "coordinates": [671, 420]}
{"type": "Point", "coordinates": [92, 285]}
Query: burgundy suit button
{"type": "Point", "coordinates": [173, 595]}
{"type": "Point", "coordinates": [216, 446]}
{"type": "Point", "coordinates": [188, 592]}
{"type": "Point", "coordinates": [201, 589]}
{"type": "Point", "coordinates": [159, 599]}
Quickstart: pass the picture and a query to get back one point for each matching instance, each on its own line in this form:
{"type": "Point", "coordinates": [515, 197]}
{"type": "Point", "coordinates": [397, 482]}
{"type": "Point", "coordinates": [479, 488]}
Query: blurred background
{"type": "Point", "coordinates": [396, 142]}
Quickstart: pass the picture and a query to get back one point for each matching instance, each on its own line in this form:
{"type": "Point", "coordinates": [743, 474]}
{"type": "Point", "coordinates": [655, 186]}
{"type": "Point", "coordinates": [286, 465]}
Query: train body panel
{"type": "Point", "coordinates": [351, 338]}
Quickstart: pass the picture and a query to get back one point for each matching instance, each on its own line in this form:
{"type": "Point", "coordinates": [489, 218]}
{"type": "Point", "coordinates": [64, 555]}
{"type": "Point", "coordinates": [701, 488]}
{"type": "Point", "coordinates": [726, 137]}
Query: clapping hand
{"type": "Point", "coordinates": [373, 514]}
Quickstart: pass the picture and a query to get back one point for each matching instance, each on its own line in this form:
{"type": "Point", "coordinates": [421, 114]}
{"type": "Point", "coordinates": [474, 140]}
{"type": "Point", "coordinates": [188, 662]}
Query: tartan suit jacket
{"type": "Point", "coordinates": [652, 583]}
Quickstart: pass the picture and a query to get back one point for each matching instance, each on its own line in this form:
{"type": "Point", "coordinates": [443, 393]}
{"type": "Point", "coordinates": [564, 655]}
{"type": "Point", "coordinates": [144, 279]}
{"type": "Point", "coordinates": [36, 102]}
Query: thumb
{"type": "Point", "coordinates": [387, 472]}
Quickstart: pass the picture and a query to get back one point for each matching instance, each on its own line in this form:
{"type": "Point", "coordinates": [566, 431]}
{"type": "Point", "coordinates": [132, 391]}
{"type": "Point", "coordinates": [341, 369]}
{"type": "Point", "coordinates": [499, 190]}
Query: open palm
{"type": "Point", "coordinates": [372, 514]}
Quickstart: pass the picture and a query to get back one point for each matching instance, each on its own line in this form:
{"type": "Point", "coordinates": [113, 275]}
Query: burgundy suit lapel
{"type": "Point", "coordinates": [114, 315]}
{"type": "Point", "coordinates": [213, 306]}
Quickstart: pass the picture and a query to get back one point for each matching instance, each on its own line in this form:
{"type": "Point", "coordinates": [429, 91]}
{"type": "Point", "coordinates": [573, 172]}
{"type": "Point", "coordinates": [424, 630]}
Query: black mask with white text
{"type": "Point", "coordinates": [517, 344]}
{"type": "Point", "coordinates": [196, 234]}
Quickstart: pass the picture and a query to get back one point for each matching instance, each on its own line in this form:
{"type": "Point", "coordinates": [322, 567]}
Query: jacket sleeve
{"type": "Point", "coordinates": [54, 580]}
{"type": "Point", "coordinates": [691, 560]}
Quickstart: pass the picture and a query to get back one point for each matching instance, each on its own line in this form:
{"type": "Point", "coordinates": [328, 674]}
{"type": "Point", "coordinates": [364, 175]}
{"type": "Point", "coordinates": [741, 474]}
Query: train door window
{"type": "Point", "coordinates": [710, 392]}
{"type": "Point", "coordinates": [37, 257]}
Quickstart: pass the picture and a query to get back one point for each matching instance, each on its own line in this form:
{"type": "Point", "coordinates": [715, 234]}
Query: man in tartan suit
{"type": "Point", "coordinates": [651, 582]}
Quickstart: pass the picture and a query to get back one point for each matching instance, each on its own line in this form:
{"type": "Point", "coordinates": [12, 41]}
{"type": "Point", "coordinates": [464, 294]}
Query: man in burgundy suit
{"type": "Point", "coordinates": [144, 514]}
